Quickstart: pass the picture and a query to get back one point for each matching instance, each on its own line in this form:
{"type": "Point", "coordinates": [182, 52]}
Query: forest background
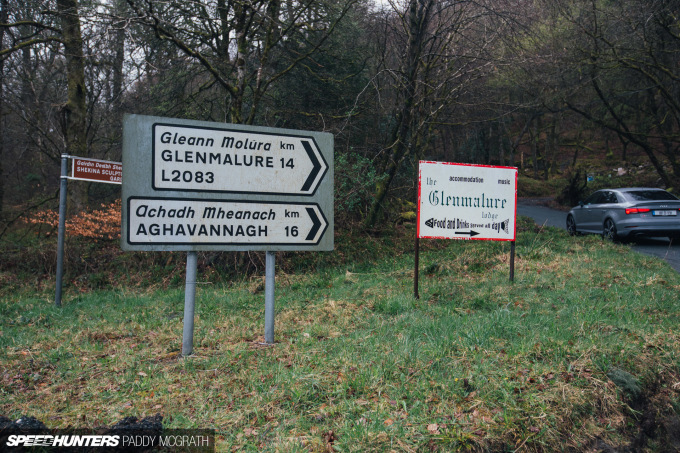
{"type": "Point", "coordinates": [560, 89]}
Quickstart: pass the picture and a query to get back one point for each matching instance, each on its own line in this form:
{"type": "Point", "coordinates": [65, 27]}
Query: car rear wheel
{"type": "Point", "coordinates": [571, 225]}
{"type": "Point", "coordinates": [609, 230]}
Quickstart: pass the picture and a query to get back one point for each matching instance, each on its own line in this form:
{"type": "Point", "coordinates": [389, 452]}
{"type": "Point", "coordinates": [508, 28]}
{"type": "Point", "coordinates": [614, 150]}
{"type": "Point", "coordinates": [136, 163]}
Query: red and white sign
{"type": "Point", "coordinates": [96, 170]}
{"type": "Point", "coordinates": [464, 201]}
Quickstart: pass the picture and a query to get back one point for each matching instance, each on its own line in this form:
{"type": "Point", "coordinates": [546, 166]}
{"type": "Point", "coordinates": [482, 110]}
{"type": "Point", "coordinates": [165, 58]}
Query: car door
{"type": "Point", "coordinates": [610, 208]}
{"type": "Point", "coordinates": [591, 212]}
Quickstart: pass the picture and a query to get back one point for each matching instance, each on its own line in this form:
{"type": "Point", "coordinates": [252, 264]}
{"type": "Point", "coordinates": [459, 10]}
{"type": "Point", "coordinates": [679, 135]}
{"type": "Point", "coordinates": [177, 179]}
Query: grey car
{"type": "Point", "coordinates": [619, 214]}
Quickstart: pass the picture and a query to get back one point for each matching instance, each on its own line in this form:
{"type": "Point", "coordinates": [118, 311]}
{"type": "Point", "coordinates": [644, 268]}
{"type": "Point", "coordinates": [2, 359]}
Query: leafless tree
{"type": "Point", "coordinates": [245, 46]}
{"type": "Point", "coordinates": [434, 54]}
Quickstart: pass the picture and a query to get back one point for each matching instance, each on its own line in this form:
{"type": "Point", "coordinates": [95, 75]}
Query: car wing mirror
{"type": "Point", "coordinates": [582, 204]}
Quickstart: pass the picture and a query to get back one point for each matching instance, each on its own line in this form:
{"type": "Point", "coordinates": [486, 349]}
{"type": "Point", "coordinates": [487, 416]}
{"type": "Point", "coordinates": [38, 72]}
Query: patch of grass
{"type": "Point", "coordinates": [359, 365]}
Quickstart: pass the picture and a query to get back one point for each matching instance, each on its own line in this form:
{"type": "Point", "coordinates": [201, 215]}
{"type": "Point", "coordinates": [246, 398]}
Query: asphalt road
{"type": "Point", "coordinates": [659, 247]}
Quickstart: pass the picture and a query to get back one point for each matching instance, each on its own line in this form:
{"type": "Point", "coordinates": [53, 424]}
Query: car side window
{"type": "Point", "coordinates": [610, 198]}
{"type": "Point", "coordinates": [595, 198]}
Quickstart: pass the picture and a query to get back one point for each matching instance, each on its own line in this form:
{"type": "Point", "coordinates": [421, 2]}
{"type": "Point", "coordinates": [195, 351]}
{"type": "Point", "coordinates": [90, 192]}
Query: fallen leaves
{"type": "Point", "coordinates": [103, 223]}
{"type": "Point", "coordinates": [433, 428]}
{"type": "Point", "coordinates": [329, 437]}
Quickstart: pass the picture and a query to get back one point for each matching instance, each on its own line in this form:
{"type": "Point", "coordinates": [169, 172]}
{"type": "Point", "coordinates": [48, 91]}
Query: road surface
{"type": "Point", "coordinates": [659, 247]}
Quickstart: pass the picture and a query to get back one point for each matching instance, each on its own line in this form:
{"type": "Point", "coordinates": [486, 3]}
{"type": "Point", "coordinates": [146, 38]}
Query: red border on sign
{"type": "Point", "coordinates": [514, 233]}
{"type": "Point", "coordinates": [78, 174]}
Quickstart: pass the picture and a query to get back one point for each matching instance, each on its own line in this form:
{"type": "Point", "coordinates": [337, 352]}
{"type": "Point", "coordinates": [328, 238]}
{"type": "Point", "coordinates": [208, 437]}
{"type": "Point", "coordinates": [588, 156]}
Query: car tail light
{"type": "Point", "coordinates": [636, 210]}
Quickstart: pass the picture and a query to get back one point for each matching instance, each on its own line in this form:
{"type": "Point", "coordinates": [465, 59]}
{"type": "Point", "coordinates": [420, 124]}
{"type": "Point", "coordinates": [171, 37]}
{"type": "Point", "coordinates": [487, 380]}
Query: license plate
{"type": "Point", "coordinates": [664, 212]}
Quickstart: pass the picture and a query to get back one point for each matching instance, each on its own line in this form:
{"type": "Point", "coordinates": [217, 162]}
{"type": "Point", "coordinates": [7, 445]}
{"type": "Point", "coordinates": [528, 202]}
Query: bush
{"type": "Point", "coordinates": [102, 223]}
{"type": "Point", "coordinates": [575, 188]}
{"type": "Point", "coordinates": [355, 179]}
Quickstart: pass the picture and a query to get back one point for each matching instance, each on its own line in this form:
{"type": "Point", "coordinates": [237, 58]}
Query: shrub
{"type": "Point", "coordinates": [99, 224]}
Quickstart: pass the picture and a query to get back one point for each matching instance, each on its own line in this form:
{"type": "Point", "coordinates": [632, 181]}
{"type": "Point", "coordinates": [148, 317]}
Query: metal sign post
{"type": "Point", "coordinates": [512, 261]}
{"type": "Point", "coordinates": [189, 303]}
{"type": "Point", "coordinates": [202, 186]}
{"type": "Point", "coordinates": [417, 269]}
{"type": "Point", "coordinates": [61, 231]}
{"type": "Point", "coordinates": [269, 282]}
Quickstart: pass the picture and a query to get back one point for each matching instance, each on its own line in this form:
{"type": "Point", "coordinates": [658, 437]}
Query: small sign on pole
{"type": "Point", "coordinates": [465, 201]}
{"type": "Point", "coordinates": [95, 170]}
{"type": "Point", "coordinates": [82, 169]}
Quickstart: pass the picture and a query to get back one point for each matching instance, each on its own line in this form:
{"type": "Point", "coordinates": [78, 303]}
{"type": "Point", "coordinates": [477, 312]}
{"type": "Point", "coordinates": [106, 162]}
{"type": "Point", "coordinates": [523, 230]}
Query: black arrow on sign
{"type": "Point", "coordinates": [317, 166]}
{"type": "Point", "coordinates": [316, 224]}
{"type": "Point", "coordinates": [471, 233]}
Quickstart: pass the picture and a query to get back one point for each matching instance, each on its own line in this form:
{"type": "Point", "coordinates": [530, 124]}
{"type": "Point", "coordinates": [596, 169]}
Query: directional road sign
{"type": "Point", "coordinates": [196, 185]}
{"type": "Point", "coordinates": [463, 201]}
{"type": "Point", "coordinates": [221, 222]}
{"type": "Point", "coordinates": [227, 160]}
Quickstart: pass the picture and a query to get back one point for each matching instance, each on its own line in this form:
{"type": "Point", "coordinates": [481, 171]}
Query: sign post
{"type": "Point", "coordinates": [269, 284]}
{"type": "Point", "coordinates": [61, 230]}
{"type": "Point", "coordinates": [464, 201]}
{"type": "Point", "coordinates": [82, 169]}
{"type": "Point", "coordinates": [201, 186]}
{"type": "Point", "coordinates": [189, 303]}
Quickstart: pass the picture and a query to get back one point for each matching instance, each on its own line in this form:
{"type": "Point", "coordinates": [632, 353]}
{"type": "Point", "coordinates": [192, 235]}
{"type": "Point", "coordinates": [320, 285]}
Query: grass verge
{"type": "Point", "coordinates": [547, 363]}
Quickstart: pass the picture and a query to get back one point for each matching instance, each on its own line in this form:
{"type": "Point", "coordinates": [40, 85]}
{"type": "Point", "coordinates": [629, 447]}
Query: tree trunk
{"type": "Point", "coordinates": [119, 54]}
{"type": "Point", "coordinates": [75, 109]}
{"type": "Point", "coordinates": [515, 146]}
{"type": "Point", "coordinates": [401, 137]}
{"type": "Point", "coordinates": [624, 147]}
{"type": "Point", "coordinates": [241, 13]}
{"type": "Point", "coordinates": [501, 147]}
{"type": "Point", "coordinates": [535, 136]}
{"type": "Point", "coordinates": [550, 149]}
